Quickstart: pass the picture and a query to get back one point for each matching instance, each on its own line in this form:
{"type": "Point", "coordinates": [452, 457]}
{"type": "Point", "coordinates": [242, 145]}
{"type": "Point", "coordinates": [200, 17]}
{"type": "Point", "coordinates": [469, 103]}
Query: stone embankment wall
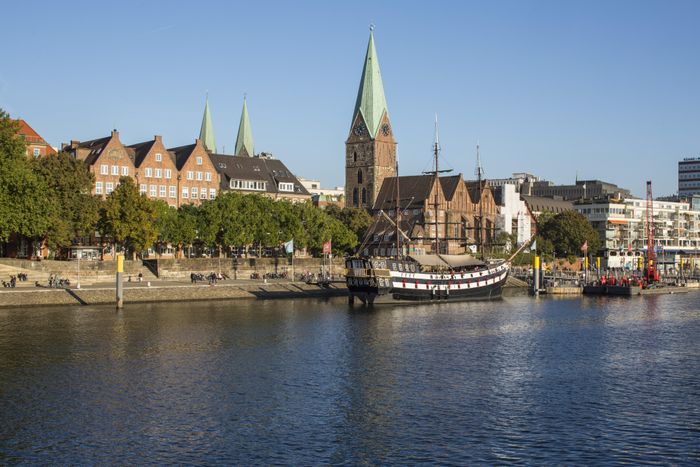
{"type": "Point", "coordinates": [171, 293]}
{"type": "Point", "coordinates": [241, 268]}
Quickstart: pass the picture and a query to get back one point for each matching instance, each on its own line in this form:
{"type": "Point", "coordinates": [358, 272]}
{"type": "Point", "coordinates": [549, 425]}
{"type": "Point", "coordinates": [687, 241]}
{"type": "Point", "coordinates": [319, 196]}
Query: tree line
{"type": "Point", "coordinates": [49, 199]}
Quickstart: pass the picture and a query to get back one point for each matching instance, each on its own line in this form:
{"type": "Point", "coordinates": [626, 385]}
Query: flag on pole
{"type": "Point", "coordinates": [289, 246]}
{"type": "Point", "coordinates": [533, 247]}
{"type": "Point", "coordinates": [327, 247]}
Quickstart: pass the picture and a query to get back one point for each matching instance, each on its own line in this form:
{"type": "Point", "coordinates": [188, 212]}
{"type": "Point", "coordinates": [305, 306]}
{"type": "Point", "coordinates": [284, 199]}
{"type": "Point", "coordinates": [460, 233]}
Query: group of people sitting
{"type": "Point", "coordinates": [212, 278]}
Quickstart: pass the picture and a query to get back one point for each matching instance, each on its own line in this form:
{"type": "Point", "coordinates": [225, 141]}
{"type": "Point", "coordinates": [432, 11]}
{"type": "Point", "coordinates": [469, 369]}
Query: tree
{"type": "Point", "coordinates": [356, 219]}
{"type": "Point", "coordinates": [73, 211]}
{"type": "Point", "coordinates": [167, 227]}
{"type": "Point", "coordinates": [25, 207]}
{"type": "Point", "coordinates": [129, 217]}
{"type": "Point", "coordinates": [567, 232]}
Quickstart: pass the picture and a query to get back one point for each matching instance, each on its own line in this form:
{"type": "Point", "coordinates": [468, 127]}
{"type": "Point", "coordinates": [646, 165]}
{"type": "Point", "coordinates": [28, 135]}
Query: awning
{"type": "Point", "coordinates": [429, 260]}
{"type": "Point", "coordinates": [460, 261]}
{"type": "Point", "coordinates": [617, 221]}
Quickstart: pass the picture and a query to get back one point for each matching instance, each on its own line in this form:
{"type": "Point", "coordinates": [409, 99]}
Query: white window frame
{"type": "Point", "coordinates": [199, 176]}
{"type": "Point", "coordinates": [207, 176]}
{"type": "Point", "coordinates": [212, 193]}
{"type": "Point", "coordinates": [158, 173]}
{"type": "Point", "coordinates": [185, 192]}
{"type": "Point", "coordinates": [199, 160]}
{"type": "Point", "coordinates": [168, 173]}
{"type": "Point", "coordinates": [286, 186]}
{"type": "Point", "coordinates": [194, 192]}
{"type": "Point", "coordinates": [98, 188]}
{"type": "Point", "coordinates": [143, 189]}
{"type": "Point", "coordinates": [203, 193]}
{"type": "Point", "coordinates": [173, 191]}
{"type": "Point", "coordinates": [149, 172]}
{"type": "Point", "coordinates": [125, 171]}
{"type": "Point", "coordinates": [104, 169]}
{"type": "Point", "coordinates": [190, 175]}
{"type": "Point", "coordinates": [109, 187]}
{"type": "Point", "coordinates": [162, 191]}
{"type": "Point", "coordinates": [37, 152]}
{"type": "Point", "coordinates": [159, 157]}
{"type": "Point", "coordinates": [115, 170]}
{"type": "Point", "coordinates": [153, 191]}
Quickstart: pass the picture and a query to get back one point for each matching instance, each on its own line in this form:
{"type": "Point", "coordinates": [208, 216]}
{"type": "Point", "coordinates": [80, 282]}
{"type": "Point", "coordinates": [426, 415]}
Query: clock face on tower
{"type": "Point", "coordinates": [359, 129]}
{"type": "Point", "coordinates": [386, 129]}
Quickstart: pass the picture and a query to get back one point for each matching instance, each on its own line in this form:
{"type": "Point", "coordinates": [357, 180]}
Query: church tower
{"type": "Point", "coordinates": [370, 150]}
{"type": "Point", "coordinates": [244, 140]}
{"type": "Point", "coordinates": [206, 132]}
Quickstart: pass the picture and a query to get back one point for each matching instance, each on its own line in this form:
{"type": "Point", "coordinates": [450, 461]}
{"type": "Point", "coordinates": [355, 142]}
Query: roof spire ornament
{"type": "Point", "coordinates": [371, 102]}
{"type": "Point", "coordinates": [244, 140]}
{"type": "Point", "coordinates": [206, 132]}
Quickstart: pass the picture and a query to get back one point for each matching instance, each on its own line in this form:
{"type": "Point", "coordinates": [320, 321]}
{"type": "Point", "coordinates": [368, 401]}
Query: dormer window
{"type": "Point", "coordinates": [159, 157]}
{"type": "Point", "coordinates": [286, 186]}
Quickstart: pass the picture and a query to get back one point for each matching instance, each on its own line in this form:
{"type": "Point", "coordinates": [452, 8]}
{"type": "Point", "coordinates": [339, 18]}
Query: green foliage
{"type": "Point", "coordinates": [356, 219]}
{"type": "Point", "coordinates": [25, 206]}
{"type": "Point", "coordinates": [129, 217]}
{"type": "Point", "coordinates": [566, 232]}
{"type": "Point", "coordinates": [73, 211]}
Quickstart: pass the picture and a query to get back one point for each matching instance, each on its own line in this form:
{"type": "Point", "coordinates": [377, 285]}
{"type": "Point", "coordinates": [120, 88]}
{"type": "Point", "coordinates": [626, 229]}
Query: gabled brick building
{"type": "Point", "coordinates": [36, 145]}
{"type": "Point", "coordinates": [156, 172]}
{"type": "Point", "coordinates": [107, 158]}
{"type": "Point", "coordinates": [198, 178]}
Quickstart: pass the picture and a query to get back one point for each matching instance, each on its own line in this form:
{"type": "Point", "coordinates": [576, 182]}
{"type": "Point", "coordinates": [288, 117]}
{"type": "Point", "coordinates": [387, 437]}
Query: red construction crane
{"type": "Point", "coordinates": [650, 273]}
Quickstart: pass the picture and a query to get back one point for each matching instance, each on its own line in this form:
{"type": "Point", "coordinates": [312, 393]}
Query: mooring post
{"type": "Point", "coordinates": [120, 281]}
{"type": "Point", "coordinates": [536, 275]}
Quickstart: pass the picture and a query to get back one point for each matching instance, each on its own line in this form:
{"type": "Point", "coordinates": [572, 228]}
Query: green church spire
{"type": "Point", "coordinates": [206, 133]}
{"type": "Point", "coordinates": [371, 102]}
{"type": "Point", "coordinates": [244, 141]}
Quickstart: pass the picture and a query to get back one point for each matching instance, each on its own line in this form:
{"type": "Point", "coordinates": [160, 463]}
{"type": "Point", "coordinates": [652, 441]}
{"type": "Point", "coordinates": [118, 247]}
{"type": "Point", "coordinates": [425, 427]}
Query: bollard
{"type": "Point", "coordinates": [120, 283]}
{"type": "Point", "coordinates": [536, 275]}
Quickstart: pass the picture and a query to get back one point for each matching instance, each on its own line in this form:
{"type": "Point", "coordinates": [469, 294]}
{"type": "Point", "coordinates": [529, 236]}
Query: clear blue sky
{"type": "Point", "coordinates": [607, 89]}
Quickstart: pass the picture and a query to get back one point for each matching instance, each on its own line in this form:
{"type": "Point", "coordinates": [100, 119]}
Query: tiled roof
{"type": "Point", "coordinates": [541, 204]}
{"type": "Point", "coordinates": [181, 154]}
{"type": "Point", "coordinates": [32, 137]}
{"type": "Point", "coordinates": [449, 185]}
{"type": "Point", "coordinates": [272, 171]}
{"type": "Point", "coordinates": [95, 146]}
{"type": "Point", "coordinates": [413, 191]}
{"type": "Point", "coordinates": [139, 151]}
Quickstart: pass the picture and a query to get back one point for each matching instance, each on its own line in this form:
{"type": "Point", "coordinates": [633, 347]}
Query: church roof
{"type": "Point", "coordinates": [206, 132]}
{"type": "Point", "coordinates": [244, 141]}
{"type": "Point", "coordinates": [371, 102]}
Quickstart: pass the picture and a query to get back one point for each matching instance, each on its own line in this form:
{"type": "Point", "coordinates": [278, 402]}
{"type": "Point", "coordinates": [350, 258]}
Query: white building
{"type": "Point", "coordinates": [513, 214]}
{"type": "Point", "coordinates": [314, 187]}
{"type": "Point", "coordinates": [621, 226]}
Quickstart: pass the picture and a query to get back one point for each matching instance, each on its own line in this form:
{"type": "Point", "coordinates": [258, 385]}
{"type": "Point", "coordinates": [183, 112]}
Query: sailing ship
{"type": "Point", "coordinates": [424, 277]}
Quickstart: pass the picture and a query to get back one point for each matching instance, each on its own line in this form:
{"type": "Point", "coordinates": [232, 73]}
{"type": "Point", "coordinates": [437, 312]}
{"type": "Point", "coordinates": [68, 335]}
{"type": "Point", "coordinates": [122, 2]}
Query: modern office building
{"type": "Point", "coordinates": [689, 177]}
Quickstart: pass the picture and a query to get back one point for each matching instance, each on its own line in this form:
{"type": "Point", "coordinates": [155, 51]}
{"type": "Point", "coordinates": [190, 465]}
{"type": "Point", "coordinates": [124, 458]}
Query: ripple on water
{"type": "Point", "coordinates": [581, 381]}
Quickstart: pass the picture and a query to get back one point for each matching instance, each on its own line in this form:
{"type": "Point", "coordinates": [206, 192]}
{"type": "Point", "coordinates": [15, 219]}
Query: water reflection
{"type": "Point", "coordinates": [303, 382]}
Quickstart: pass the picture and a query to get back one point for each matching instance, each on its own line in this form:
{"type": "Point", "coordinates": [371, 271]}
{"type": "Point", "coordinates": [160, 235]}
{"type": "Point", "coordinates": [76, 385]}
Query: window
{"type": "Point", "coordinates": [143, 188]}
{"type": "Point", "coordinates": [203, 193]}
{"type": "Point", "coordinates": [37, 152]}
{"type": "Point", "coordinates": [212, 193]}
{"type": "Point", "coordinates": [207, 176]}
{"type": "Point", "coordinates": [98, 188]}
{"type": "Point", "coordinates": [355, 200]}
{"type": "Point", "coordinates": [199, 161]}
{"type": "Point", "coordinates": [161, 192]}
{"type": "Point", "coordinates": [168, 173]}
{"type": "Point", "coordinates": [199, 175]}
{"type": "Point", "coordinates": [190, 175]}
{"type": "Point", "coordinates": [248, 185]}
{"type": "Point", "coordinates": [195, 192]}
{"type": "Point", "coordinates": [359, 176]}
{"type": "Point", "coordinates": [172, 191]}
{"type": "Point", "coordinates": [109, 187]}
{"type": "Point", "coordinates": [115, 170]}
{"type": "Point", "coordinates": [158, 173]}
{"type": "Point", "coordinates": [159, 157]}
{"type": "Point", "coordinates": [185, 192]}
{"type": "Point", "coordinates": [149, 172]}
{"type": "Point", "coordinates": [286, 186]}
{"type": "Point", "coordinates": [364, 196]}
{"type": "Point", "coordinates": [154, 190]}
{"type": "Point", "coordinates": [104, 169]}
{"type": "Point", "coordinates": [125, 171]}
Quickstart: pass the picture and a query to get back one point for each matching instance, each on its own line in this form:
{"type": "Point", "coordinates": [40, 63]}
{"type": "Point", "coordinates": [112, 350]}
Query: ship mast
{"type": "Point", "coordinates": [479, 180]}
{"type": "Point", "coordinates": [436, 150]}
{"type": "Point", "coordinates": [398, 213]}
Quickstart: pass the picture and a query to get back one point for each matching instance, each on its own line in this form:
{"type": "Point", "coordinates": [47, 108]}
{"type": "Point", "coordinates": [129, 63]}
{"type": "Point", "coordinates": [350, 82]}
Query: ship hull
{"type": "Point", "coordinates": [375, 287]}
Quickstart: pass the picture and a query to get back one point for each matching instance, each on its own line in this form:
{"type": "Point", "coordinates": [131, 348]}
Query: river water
{"type": "Point", "coordinates": [572, 381]}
